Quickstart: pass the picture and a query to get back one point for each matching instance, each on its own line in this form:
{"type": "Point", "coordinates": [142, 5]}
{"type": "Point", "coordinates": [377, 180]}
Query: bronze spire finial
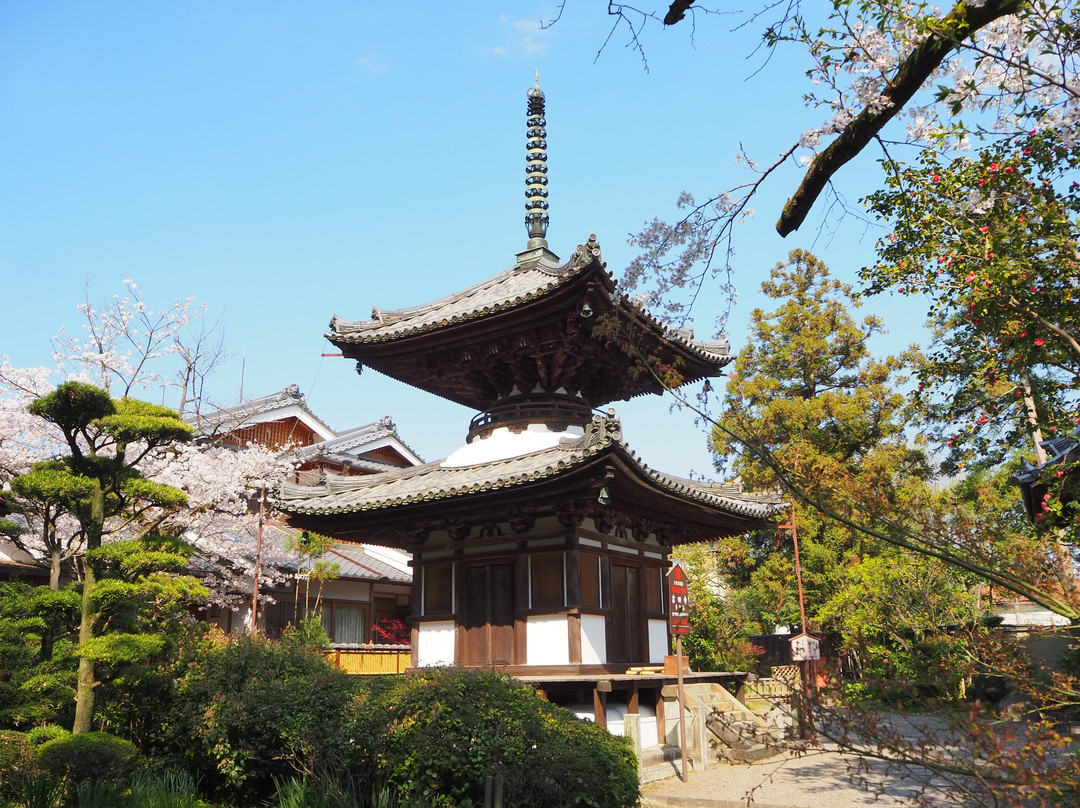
{"type": "Point", "coordinates": [536, 204]}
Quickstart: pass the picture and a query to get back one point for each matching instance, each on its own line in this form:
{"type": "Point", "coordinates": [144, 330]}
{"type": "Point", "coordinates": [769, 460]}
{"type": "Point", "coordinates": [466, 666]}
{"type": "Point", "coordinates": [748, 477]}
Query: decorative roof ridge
{"type": "Point", "coordinates": [240, 414]}
{"type": "Point", "coordinates": [382, 428]}
{"type": "Point", "coordinates": [717, 349]}
{"type": "Point", "coordinates": [583, 257]}
{"type": "Point", "coordinates": [1059, 450]}
{"type": "Point", "coordinates": [737, 500]}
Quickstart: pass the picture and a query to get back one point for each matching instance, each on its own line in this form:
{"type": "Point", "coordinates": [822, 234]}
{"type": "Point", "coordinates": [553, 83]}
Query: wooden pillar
{"type": "Point", "coordinates": [599, 700]}
{"type": "Point", "coordinates": [661, 719]}
{"type": "Point", "coordinates": [573, 627]}
{"type": "Point", "coordinates": [521, 607]}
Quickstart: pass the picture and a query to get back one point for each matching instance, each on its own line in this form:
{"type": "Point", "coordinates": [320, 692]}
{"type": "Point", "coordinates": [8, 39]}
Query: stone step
{"type": "Point", "coordinates": [747, 754]}
{"type": "Point", "coordinates": [659, 762]}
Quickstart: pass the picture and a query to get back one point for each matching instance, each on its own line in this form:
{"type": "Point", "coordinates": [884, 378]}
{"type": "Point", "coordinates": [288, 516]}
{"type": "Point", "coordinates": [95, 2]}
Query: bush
{"type": "Point", "coordinates": [46, 733]}
{"type": "Point", "coordinates": [16, 761]}
{"type": "Point", "coordinates": [249, 710]}
{"type": "Point", "coordinates": [164, 789]}
{"type": "Point", "coordinates": [88, 756]}
{"type": "Point", "coordinates": [439, 734]}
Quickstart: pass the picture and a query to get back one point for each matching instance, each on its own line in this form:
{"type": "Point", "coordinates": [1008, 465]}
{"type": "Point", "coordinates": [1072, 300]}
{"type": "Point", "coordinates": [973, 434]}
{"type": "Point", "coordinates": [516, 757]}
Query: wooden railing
{"type": "Point", "coordinates": [366, 660]}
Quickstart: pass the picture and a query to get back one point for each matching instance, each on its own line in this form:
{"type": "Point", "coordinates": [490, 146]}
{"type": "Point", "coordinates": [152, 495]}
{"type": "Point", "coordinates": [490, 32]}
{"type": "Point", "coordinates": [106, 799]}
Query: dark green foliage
{"type": "Point", "coordinates": [717, 640]}
{"type": "Point", "coordinates": [37, 669]}
{"type": "Point", "coordinates": [251, 710]}
{"type": "Point", "coordinates": [41, 790]}
{"type": "Point", "coordinates": [44, 734]}
{"type": "Point", "coordinates": [88, 756]}
{"type": "Point", "coordinates": [101, 792]}
{"type": "Point", "coordinates": [72, 405]}
{"type": "Point", "coordinates": [320, 792]}
{"type": "Point", "coordinates": [164, 789]}
{"type": "Point", "coordinates": [16, 761]}
{"type": "Point", "coordinates": [437, 735]}
{"type": "Point", "coordinates": [251, 713]}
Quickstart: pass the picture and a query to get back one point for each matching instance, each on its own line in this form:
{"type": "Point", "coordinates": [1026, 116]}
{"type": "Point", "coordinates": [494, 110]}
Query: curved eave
{"type": "Point", "coordinates": [389, 330]}
{"type": "Point", "coordinates": [639, 484]}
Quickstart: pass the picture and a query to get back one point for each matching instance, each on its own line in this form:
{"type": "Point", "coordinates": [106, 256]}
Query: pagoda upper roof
{"type": "Point", "coordinates": [342, 505]}
{"type": "Point", "coordinates": [531, 302]}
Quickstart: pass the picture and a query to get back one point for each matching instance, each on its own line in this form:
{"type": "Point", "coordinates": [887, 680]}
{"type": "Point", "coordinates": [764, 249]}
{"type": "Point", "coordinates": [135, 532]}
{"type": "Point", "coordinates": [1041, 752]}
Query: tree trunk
{"type": "Point", "coordinates": [84, 690]}
{"type": "Point", "coordinates": [54, 569]}
{"type": "Point", "coordinates": [1033, 418]}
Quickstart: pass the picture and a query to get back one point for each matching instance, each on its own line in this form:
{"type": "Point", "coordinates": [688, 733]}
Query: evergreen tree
{"type": "Point", "coordinates": [98, 483]}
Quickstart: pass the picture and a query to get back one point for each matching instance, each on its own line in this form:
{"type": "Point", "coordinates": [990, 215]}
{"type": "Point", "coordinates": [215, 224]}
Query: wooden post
{"type": "Point", "coordinates": [682, 707]}
{"type": "Point", "coordinates": [258, 563]}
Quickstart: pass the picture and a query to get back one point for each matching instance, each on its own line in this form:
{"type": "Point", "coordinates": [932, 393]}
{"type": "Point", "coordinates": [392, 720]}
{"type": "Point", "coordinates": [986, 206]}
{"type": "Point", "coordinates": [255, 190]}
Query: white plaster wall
{"type": "Point", "coordinates": [502, 444]}
{"type": "Point", "coordinates": [340, 590]}
{"type": "Point", "coordinates": [658, 640]}
{"type": "Point", "coordinates": [593, 640]}
{"type": "Point", "coordinates": [547, 640]}
{"type": "Point", "coordinates": [435, 643]}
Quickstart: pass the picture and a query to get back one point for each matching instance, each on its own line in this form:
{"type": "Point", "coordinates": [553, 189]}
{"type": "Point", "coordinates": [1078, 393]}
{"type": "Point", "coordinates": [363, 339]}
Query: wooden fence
{"type": "Point", "coordinates": [374, 660]}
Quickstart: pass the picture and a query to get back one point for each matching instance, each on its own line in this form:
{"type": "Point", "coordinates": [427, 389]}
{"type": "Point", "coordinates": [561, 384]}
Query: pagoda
{"type": "Point", "coordinates": [540, 547]}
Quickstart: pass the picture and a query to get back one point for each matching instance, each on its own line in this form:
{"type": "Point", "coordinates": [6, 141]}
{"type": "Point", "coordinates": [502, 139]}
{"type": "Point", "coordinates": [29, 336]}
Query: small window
{"type": "Point", "coordinates": [546, 581]}
{"type": "Point", "coordinates": [349, 624]}
{"type": "Point", "coordinates": [438, 589]}
{"type": "Point", "coordinates": [590, 580]}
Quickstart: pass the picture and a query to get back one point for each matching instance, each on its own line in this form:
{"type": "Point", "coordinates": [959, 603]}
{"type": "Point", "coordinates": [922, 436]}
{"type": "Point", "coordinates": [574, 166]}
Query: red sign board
{"type": "Point", "coordinates": [679, 601]}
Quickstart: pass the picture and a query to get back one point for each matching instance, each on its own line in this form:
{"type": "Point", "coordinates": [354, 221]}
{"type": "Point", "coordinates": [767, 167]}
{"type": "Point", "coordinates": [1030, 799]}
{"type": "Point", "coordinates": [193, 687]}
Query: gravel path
{"type": "Point", "coordinates": [821, 778]}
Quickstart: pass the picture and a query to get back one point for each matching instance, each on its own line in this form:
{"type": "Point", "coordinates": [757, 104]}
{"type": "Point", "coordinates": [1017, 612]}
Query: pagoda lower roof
{"type": "Point", "coordinates": [705, 510]}
{"type": "Point", "coordinates": [531, 310]}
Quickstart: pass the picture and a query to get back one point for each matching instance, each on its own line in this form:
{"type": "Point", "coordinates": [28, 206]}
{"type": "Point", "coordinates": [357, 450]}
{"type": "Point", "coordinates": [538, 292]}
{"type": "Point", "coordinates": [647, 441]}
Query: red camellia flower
{"type": "Point", "coordinates": [984, 229]}
{"type": "Point", "coordinates": [1038, 342]}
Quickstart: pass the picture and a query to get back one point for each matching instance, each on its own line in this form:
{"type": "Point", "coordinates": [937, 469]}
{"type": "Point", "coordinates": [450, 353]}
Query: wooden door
{"type": "Point", "coordinates": [489, 615]}
{"type": "Point", "coordinates": [627, 618]}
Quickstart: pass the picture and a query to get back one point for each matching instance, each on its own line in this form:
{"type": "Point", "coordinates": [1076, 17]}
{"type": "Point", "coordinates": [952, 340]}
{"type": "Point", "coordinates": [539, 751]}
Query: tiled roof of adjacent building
{"type": "Point", "coordinates": [250, 412]}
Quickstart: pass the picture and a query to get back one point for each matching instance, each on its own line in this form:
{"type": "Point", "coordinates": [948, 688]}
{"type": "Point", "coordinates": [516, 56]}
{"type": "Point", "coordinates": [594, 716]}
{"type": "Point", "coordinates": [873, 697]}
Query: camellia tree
{"type": "Point", "coordinates": [993, 243]}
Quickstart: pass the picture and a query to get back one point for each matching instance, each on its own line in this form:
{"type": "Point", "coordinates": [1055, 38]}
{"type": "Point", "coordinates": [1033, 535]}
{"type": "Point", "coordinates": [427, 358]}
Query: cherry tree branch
{"type": "Point", "coordinates": [960, 24]}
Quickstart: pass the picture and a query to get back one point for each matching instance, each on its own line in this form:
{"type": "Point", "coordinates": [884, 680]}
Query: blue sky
{"type": "Point", "coordinates": [286, 161]}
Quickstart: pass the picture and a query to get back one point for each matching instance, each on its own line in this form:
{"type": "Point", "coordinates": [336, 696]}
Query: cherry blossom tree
{"type": "Point", "coordinates": [890, 72]}
{"type": "Point", "coordinates": [127, 346]}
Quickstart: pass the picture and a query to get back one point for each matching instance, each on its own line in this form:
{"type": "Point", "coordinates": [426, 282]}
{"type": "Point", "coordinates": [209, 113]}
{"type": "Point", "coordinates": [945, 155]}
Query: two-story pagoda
{"type": "Point", "coordinates": [541, 545]}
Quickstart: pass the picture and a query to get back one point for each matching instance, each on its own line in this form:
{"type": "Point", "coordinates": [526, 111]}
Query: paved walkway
{"type": "Point", "coordinates": [816, 779]}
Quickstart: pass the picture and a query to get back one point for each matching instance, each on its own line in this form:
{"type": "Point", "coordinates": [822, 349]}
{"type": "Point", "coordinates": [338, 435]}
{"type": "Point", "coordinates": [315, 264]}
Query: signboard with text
{"type": "Point", "coordinates": [679, 601]}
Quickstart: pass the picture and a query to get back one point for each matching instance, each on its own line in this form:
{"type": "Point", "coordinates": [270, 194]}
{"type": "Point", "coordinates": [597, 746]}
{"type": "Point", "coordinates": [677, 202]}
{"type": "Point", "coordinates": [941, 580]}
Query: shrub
{"type": "Point", "coordinates": [249, 710]}
{"type": "Point", "coordinates": [437, 735]}
{"type": "Point", "coordinates": [46, 733]}
{"type": "Point", "coordinates": [88, 756]}
{"type": "Point", "coordinates": [16, 761]}
{"type": "Point", "coordinates": [164, 789]}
